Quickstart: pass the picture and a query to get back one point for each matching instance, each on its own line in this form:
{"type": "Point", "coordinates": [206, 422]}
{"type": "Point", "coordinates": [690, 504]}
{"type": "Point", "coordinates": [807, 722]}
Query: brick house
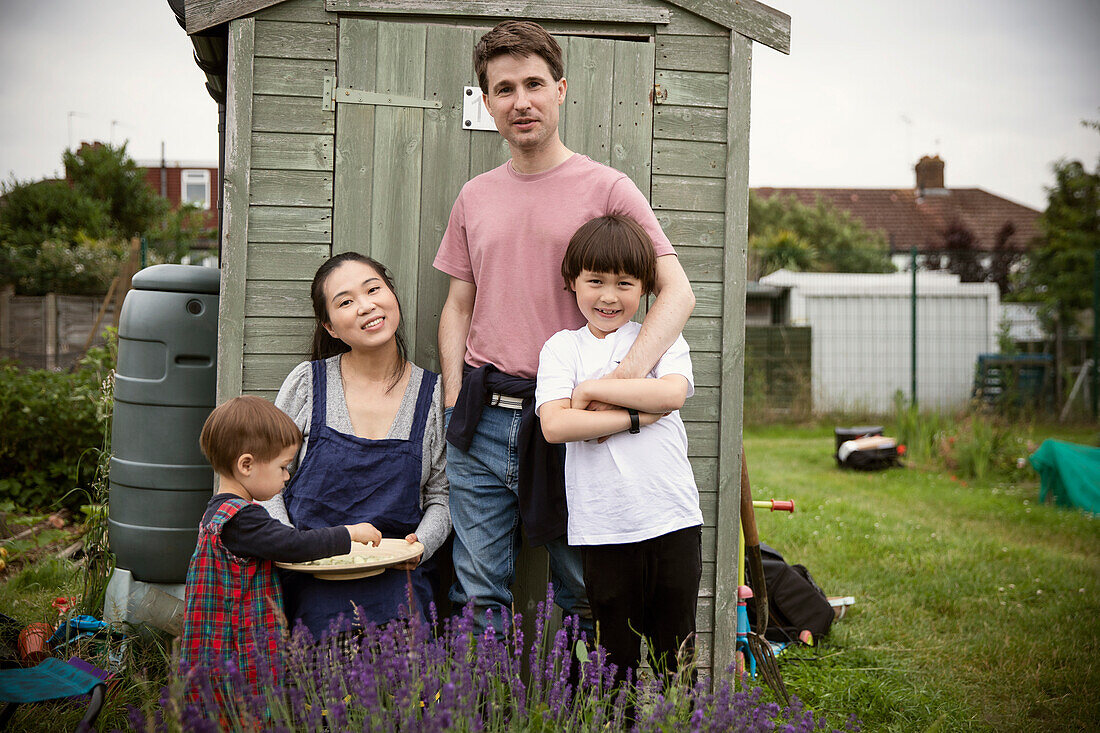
{"type": "Point", "coordinates": [182, 182]}
{"type": "Point", "coordinates": [920, 216]}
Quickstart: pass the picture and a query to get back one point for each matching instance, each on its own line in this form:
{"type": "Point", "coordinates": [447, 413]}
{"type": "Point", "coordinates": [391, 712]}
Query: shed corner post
{"type": "Point", "coordinates": [236, 182]}
{"type": "Point", "coordinates": [731, 399]}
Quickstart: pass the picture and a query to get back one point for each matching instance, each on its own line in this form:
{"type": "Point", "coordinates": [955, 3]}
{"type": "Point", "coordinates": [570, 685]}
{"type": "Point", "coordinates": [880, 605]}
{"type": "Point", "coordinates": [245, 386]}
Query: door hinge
{"type": "Point", "coordinates": [332, 94]}
{"type": "Point", "coordinates": [659, 96]}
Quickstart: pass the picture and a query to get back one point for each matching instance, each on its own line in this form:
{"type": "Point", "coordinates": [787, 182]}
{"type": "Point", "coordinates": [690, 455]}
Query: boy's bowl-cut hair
{"type": "Point", "coordinates": [611, 243]}
{"type": "Point", "coordinates": [246, 424]}
{"type": "Point", "coordinates": [516, 38]}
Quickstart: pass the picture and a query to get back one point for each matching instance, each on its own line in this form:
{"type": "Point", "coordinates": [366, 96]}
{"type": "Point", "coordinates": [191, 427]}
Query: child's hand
{"type": "Point", "coordinates": [411, 563]}
{"type": "Point", "coordinates": [365, 533]}
{"type": "Point", "coordinates": [578, 399]}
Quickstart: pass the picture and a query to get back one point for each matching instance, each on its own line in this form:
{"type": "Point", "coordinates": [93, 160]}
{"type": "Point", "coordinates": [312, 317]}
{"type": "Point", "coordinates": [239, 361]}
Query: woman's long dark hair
{"type": "Point", "coordinates": [324, 344]}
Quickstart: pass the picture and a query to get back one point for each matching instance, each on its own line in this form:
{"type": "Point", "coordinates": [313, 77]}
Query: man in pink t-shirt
{"type": "Point", "coordinates": [503, 249]}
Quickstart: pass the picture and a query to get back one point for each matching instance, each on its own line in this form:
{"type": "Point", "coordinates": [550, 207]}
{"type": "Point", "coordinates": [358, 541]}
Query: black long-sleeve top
{"type": "Point", "coordinates": [253, 533]}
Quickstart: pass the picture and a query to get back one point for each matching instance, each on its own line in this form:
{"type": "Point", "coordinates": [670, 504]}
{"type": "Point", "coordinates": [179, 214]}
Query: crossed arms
{"type": "Point", "coordinates": [568, 420]}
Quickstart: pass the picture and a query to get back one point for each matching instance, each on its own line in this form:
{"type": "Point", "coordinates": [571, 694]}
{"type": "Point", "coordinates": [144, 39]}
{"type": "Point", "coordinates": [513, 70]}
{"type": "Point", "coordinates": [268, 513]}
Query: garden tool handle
{"type": "Point", "coordinates": [752, 549]}
{"type": "Point", "coordinates": [776, 505]}
{"type": "Point", "coordinates": [748, 514]}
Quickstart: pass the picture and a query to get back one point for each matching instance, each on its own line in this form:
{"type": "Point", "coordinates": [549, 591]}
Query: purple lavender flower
{"type": "Point", "coordinates": [427, 675]}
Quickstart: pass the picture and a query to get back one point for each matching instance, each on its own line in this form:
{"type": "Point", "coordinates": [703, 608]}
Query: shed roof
{"type": "Point", "coordinates": [865, 284]}
{"type": "Point", "coordinates": [912, 220]}
{"type": "Point", "coordinates": [750, 18]}
{"type": "Point", "coordinates": [755, 289]}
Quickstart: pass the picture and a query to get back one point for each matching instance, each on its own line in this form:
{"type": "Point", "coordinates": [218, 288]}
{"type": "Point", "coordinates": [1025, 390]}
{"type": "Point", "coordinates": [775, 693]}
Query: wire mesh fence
{"type": "Point", "coordinates": [870, 340]}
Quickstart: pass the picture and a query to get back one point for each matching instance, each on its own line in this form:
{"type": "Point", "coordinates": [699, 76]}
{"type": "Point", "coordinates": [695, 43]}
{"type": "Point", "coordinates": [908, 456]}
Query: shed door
{"type": "Point", "coordinates": [399, 169]}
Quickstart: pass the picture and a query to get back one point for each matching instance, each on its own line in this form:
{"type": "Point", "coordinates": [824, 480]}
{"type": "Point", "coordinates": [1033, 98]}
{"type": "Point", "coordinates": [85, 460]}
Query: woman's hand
{"type": "Point", "coordinates": [411, 563]}
{"type": "Point", "coordinates": [365, 533]}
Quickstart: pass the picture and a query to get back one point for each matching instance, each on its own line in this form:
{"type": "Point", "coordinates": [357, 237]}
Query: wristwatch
{"type": "Point", "coordinates": [635, 426]}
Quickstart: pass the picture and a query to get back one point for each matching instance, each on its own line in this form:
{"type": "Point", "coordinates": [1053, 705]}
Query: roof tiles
{"type": "Point", "coordinates": [910, 220]}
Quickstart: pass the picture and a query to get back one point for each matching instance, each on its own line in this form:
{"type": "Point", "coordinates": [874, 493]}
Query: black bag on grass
{"type": "Point", "coordinates": [794, 600]}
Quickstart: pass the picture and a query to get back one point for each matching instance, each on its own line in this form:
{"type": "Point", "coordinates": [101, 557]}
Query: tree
{"type": "Point", "coordinates": [1006, 259]}
{"type": "Point", "coordinates": [177, 233]}
{"type": "Point", "coordinates": [782, 249]}
{"type": "Point", "coordinates": [819, 238]}
{"type": "Point", "coordinates": [963, 256]}
{"type": "Point", "coordinates": [1060, 271]}
{"type": "Point", "coordinates": [106, 173]}
{"type": "Point", "coordinates": [82, 268]}
{"type": "Point", "coordinates": [69, 236]}
{"type": "Point", "coordinates": [35, 211]}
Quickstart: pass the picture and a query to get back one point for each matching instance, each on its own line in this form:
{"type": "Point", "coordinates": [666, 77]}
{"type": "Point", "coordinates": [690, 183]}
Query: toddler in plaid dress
{"type": "Point", "coordinates": [233, 603]}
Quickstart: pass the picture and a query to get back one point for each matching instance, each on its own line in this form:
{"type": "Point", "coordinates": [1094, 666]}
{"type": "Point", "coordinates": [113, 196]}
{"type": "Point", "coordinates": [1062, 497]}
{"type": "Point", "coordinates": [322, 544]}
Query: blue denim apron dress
{"type": "Point", "coordinates": [345, 479]}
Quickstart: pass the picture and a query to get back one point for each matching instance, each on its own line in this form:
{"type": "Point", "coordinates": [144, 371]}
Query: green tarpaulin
{"type": "Point", "coordinates": [1069, 472]}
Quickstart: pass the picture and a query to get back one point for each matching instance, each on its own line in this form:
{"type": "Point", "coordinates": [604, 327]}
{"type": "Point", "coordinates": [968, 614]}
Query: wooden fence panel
{"type": "Point", "coordinates": [49, 331]}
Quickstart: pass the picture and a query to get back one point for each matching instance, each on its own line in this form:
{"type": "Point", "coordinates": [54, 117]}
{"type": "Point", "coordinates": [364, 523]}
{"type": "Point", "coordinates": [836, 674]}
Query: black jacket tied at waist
{"type": "Point", "coordinates": [542, 505]}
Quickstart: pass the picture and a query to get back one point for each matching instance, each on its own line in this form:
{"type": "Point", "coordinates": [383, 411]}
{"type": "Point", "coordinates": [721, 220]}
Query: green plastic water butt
{"type": "Point", "coordinates": [164, 389]}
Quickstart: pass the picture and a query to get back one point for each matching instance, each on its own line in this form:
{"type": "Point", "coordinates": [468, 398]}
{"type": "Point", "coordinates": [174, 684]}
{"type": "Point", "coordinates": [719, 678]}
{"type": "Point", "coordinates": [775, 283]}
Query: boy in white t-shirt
{"type": "Point", "coordinates": [633, 503]}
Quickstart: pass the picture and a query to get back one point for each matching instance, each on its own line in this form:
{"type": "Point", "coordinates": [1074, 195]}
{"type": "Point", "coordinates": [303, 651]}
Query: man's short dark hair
{"type": "Point", "coordinates": [611, 243]}
{"type": "Point", "coordinates": [517, 38]}
{"type": "Point", "coordinates": [242, 425]}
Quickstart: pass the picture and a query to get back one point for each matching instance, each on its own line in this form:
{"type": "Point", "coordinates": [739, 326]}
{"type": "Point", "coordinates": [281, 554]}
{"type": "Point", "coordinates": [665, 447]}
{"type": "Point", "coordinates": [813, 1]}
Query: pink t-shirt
{"type": "Point", "coordinates": [507, 234]}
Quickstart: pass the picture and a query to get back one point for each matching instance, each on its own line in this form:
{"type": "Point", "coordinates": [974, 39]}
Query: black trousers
{"type": "Point", "coordinates": [645, 589]}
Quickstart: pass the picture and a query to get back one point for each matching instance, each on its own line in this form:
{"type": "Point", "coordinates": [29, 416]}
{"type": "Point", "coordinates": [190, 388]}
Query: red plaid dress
{"type": "Point", "coordinates": [227, 599]}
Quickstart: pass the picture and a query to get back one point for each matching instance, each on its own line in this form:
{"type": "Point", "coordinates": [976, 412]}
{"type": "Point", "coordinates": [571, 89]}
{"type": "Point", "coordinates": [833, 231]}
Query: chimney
{"type": "Point", "coordinates": [929, 174]}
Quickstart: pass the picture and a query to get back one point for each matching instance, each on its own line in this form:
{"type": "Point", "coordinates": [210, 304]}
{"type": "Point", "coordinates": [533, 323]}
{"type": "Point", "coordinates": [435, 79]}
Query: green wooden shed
{"type": "Point", "coordinates": [345, 130]}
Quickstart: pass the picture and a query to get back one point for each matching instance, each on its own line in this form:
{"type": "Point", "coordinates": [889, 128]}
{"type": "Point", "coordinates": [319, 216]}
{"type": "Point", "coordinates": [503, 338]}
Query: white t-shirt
{"type": "Point", "coordinates": [630, 487]}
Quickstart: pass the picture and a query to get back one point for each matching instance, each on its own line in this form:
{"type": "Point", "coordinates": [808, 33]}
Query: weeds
{"type": "Point", "coordinates": [99, 561]}
{"type": "Point", "coordinates": [973, 444]}
{"type": "Point", "coordinates": [51, 420]}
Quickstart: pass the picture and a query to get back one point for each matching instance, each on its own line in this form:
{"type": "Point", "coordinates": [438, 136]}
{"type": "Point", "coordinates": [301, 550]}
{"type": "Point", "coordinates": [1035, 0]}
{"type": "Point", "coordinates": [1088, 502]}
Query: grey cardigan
{"type": "Point", "coordinates": [296, 399]}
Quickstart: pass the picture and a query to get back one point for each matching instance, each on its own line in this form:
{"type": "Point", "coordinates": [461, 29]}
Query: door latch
{"type": "Point", "coordinates": [332, 94]}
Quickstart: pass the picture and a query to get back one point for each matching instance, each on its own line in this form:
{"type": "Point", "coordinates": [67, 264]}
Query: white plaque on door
{"type": "Point", "coordinates": [474, 114]}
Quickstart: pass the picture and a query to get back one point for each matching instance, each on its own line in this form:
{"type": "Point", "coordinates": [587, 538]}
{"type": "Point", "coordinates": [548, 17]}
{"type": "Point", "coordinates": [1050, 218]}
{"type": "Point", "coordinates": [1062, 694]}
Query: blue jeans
{"type": "Point", "coordinates": [484, 502]}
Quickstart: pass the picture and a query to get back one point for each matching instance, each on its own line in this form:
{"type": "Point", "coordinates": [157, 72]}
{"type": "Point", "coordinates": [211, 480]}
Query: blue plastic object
{"type": "Point", "coordinates": [743, 635]}
{"type": "Point", "coordinates": [78, 627]}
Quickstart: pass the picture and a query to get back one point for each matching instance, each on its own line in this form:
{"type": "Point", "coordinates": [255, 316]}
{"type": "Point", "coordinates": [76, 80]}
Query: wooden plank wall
{"type": "Point", "coordinates": [688, 196]}
{"type": "Point", "coordinates": [290, 192]}
{"type": "Point", "coordinates": [731, 391]}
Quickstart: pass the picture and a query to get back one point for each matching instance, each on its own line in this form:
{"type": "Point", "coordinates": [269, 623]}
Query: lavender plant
{"type": "Point", "coordinates": [429, 677]}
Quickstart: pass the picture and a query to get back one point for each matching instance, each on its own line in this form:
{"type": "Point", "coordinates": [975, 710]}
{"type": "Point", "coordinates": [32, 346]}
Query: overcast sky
{"type": "Point", "coordinates": [998, 88]}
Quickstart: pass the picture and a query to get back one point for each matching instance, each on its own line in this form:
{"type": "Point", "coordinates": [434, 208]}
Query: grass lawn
{"type": "Point", "coordinates": [976, 607]}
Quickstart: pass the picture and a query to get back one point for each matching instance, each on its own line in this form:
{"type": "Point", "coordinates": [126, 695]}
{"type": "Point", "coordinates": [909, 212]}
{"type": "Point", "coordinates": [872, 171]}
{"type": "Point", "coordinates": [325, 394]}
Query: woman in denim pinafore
{"type": "Point", "coordinates": [374, 445]}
